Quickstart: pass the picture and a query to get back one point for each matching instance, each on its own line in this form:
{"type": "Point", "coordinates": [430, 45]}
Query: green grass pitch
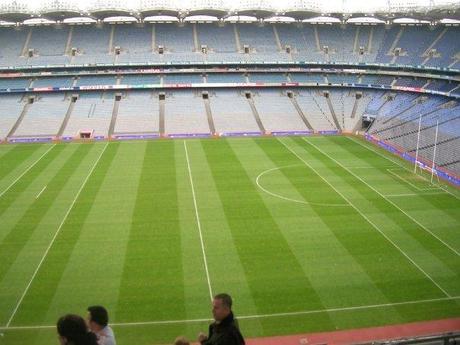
{"type": "Point", "coordinates": [307, 234]}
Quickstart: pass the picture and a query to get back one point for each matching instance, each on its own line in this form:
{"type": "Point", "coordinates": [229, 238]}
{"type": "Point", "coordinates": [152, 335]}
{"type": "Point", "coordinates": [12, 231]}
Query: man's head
{"type": "Point", "coordinates": [221, 306]}
{"type": "Point", "coordinates": [98, 318]}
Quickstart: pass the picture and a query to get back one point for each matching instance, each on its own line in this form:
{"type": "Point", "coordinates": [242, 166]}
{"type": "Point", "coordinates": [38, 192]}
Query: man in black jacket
{"type": "Point", "coordinates": [224, 330]}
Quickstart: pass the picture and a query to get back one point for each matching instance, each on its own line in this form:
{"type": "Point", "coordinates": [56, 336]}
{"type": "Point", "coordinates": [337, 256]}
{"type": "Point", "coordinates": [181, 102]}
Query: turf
{"type": "Point", "coordinates": [307, 234]}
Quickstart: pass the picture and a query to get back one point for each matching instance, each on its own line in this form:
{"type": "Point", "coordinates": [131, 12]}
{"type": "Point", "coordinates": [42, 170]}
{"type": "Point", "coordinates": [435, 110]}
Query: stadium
{"type": "Point", "coordinates": [302, 156]}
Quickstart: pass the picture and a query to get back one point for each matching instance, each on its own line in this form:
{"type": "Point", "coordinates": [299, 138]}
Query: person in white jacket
{"type": "Point", "coordinates": [98, 323]}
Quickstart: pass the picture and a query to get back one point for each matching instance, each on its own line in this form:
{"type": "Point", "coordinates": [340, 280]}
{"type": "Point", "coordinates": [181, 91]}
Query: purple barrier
{"type": "Point", "coordinates": [241, 134]}
{"type": "Point", "coordinates": [31, 140]}
{"type": "Point", "coordinates": [67, 138]}
{"type": "Point", "coordinates": [450, 177]}
{"type": "Point", "coordinates": [189, 135]}
{"type": "Point", "coordinates": [99, 137]}
{"type": "Point", "coordinates": [136, 136]}
{"type": "Point", "coordinates": [287, 133]}
{"type": "Point", "coordinates": [330, 132]}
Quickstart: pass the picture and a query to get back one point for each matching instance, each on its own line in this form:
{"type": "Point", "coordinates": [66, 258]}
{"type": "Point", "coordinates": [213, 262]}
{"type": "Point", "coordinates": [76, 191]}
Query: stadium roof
{"type": "Point", "coordinates": [386, 10]}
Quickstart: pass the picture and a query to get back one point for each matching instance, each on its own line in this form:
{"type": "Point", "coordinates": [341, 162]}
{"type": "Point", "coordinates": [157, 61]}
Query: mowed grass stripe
{"type": "Point", "coordinates": [14, 242]}
{"type": "Point", "coordinates": [152, 285]}
{"type": "Point", "coordinates": [355, 234]}
{"type": "Point", "coordinates": [16, 156]}
{"type": "Point", "coordinates": [21, 185]}
{"type": "Point", "coordinates": [416, 283]}
{"type": "Point", "coordinates": [274, 275]}
{"type": "Point", "coordinates": [437, 262]}
{"type": "Point", "coordinates": [331, 269]}
{"type": "Point", "coordinates": [103, 239]}
{"type": "Point", "coordinates": [216, 235]}
{"type": "Point", "coordinates": [40, 295]}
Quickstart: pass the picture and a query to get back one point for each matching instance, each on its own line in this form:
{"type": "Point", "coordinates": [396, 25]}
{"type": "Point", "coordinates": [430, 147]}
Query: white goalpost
{"type": "Point", "coordinates": [421, 165]}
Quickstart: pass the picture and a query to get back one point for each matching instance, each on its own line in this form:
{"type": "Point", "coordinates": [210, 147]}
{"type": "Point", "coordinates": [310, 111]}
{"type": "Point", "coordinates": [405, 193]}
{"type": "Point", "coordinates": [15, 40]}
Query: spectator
{"type": "Point", "coordinates": [72, 330]}
{"type": "Point", "coordinates": [181, 341]}
{"type": "Point", "coordinates": [98, 322]}
{"type": "Point", "coordinates": [224, 330]}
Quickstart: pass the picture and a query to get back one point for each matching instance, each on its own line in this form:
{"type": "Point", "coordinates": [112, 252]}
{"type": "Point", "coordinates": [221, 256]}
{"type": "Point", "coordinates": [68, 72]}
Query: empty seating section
{"type": "Point", "coordinates": [267, 78]}
{"type": "Point", "coordinates": [218, 39]}
{"type": "Point", "coordinates": [377, 100]}
{"type": "Point", "coordinates": [411, 82]}
{"type": "Point", "coordinates": [44, 116]}
{"type": "Point", "coordinates": [403, 131]}
{"type": "Point", "coordinates": [92, 112]}
{"type": "Point", "coordinates": [139, 43]}
{"type": "Point", "coordinates": [413, 43]}
{"type": "Point", "coordinates": [14, 83]}
{"type": "Point", "coordinates": [10, 109]}
{"type": "Point", "coordinates": [384, 55]}
{"type": "Point", "coordinates": [139, 79]}
{"type": "Point", "coordinates": [385, 80]}
{"type": "Point", "coordinates": [138, 113]}
{"type": "Point", "coordinates": [369, 79]}
{"type": "Point", "coordinates": [174, 38]}
{"type": "Point", "coordinates": [235, 119]}
{"type": "Point", "coordinates": [441, 85]}
{"type": "Point", "coordinates": [292, 36]}
{"type": "Point", "coordinates": [185, 113]}
{"type": "Point", "coordinates": [313, 52]}
{"type": "Point", "coordinates": [49, 40]}
{"type": "Point", "coordinates": [260, 38]}
{"type": "Point", "coordinates": [277, 112]}
{"type": "Point", "coordinates": [314, 106]}
{"type": "Point", "coordinates": [92, 44]}
{"type": "Point", "coordinates": [447, 47]}
{"type": "Point", "coordinates": [12, 42]}
{"type": "Point", "coordinates": [343, 102]}
{"type": "Point", "coordinates": [182, 78]}
{"type": "Point", "coordinates": [336, 39]}
{"type": "Point", "coordinates": [96, 80]}
{"type": "Point", "coordinates": [133, 39]}
{"type": "Point", "coordinates": [53, 82]}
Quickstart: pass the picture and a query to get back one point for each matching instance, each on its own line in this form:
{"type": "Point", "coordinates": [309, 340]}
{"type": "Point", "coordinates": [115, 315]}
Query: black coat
{"type": "Point", "coordinates": [224, 333]}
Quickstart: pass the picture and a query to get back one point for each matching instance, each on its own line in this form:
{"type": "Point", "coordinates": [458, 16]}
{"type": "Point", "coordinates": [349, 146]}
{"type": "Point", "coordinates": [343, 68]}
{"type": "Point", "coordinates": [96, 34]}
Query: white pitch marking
{"type": "Point", "coordinates": [410, 183]}
{"type": "Point", "coordinates": [384, 197]}
{"type": "Point", "coordinates": [205, 261]}
{"type": "Point", "coordinates": [368, 220]}
{"type": "Point", "coordinates": [290, 199]}
{"type": "Point", "coordinates": [397, 163]}
{"type": "Point", "coordinates": [25, 172]}
{"type": "Point", "coordinates": [413, 194]}
{"type": "Point", "coordinates": [53, 239]}
{"type": "Point", "coordinates": [257, 316]}
{"type": "Point", "coordinates": [38, 195]}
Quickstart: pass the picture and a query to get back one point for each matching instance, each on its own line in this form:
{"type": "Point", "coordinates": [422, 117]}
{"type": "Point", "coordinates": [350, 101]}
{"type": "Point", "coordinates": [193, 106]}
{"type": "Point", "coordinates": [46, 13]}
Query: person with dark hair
{"type": "Point", "coordinates": [98, 322]}
{"type": "Point", "coordinates": [224, 330]}
{"type": "Point", "coordinates": [72, 330]}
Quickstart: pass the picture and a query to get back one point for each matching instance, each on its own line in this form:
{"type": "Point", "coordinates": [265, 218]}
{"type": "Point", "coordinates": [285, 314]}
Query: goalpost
{"type": "Point", "coordinates": [421, 165]}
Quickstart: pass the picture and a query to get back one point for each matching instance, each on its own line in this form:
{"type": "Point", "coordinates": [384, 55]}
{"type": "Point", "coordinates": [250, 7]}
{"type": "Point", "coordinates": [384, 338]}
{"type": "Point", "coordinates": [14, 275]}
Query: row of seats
{"type": "Point", "coordinates": [398, 120]}
{"type": "Point", "coordinates": [123, 43]}
{"type": "Point", "coordinates": [185, 112]}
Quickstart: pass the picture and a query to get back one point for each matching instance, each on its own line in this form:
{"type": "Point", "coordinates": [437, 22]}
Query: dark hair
{"type": "Point", "coordinates": [99, 315]}
{"type": "Point", "coordinates": [73, 328]}
{"type": "Point", "coordinates": [225, 298]}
